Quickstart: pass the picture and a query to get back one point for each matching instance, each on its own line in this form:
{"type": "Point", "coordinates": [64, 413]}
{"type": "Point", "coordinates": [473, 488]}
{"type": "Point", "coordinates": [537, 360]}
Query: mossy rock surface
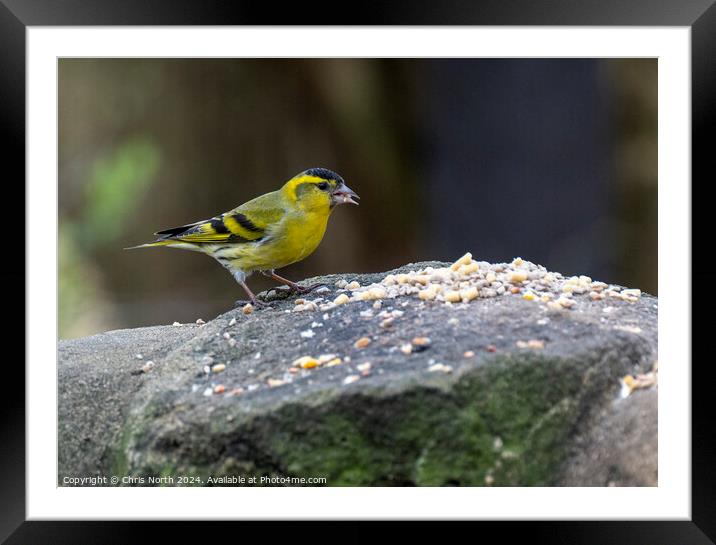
{"type": "Point", "coordinates": [506, 416]}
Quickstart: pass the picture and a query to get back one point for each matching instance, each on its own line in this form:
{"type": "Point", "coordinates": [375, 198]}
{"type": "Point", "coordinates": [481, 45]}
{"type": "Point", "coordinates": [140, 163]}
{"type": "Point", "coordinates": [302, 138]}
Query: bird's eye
{"type": "Point", "coordinates": [323, 186]}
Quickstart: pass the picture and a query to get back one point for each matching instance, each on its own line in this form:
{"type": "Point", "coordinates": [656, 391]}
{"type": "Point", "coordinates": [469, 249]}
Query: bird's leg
{"type": "Point", "coordinates": [240, 277]}
{"type": "Point", "coordinates": [292, 286]}
{"type": "Point", "coordinates": [253, 300]}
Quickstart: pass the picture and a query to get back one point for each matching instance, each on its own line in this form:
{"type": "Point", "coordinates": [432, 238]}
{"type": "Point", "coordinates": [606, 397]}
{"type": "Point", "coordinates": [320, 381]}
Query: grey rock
{"type": "Point", "coordinates": [619, 448]}
{"type": "Point", "coordinates": [512, 416]}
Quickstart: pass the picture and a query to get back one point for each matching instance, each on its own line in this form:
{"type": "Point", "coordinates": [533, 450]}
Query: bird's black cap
{"type": "Point", "coordinates": [324, 174]}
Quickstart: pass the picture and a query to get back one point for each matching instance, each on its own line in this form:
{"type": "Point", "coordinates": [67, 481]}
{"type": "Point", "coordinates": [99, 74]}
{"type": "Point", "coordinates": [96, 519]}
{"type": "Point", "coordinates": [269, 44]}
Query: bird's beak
{"type": "Point", "coordinates": [343, 194]}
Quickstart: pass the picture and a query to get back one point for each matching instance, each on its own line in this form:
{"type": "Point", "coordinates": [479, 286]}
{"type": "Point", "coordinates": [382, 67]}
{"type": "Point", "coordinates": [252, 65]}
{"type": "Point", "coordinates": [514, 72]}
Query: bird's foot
{"type": "Point", "coordinates": [309, 289]}
{"type": "Point", "coordinates": [256, 303]}
{"type": "Point", "coordinates": [284, 292]}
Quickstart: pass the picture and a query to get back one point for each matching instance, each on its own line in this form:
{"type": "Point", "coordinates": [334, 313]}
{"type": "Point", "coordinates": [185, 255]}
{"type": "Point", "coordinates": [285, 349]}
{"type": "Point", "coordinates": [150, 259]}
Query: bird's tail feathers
{"type": "Point", "coordinates": [151, 244]}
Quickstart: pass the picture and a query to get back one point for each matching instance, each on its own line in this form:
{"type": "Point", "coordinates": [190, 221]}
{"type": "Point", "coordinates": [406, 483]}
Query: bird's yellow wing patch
{"type": "Point", "coordinates": [239, 224]}
{"type": "Point", "coordinates": [229, 227]}
{"type": "Point", "coordinates": [247, 223]}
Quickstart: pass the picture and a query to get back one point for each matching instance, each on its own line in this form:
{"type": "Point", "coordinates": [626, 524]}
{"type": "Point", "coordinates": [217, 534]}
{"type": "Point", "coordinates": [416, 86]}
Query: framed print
{"type": "Point", "coordinates": [500, 330]}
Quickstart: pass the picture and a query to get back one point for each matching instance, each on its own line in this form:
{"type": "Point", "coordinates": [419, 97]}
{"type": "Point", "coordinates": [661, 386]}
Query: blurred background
{"type": "Point", "coordinates": [553, 160]}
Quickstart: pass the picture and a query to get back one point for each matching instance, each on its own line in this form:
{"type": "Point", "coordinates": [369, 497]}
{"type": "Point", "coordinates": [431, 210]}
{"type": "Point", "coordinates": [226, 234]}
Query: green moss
{"type": "Point", "coordinates": [544, 443]}
{"type": "Point", "coordinates": [432, 437]}
{"type": "Point", "coordinates": [336, 448]}
{"type": "Point", "coordinates": [460, 451]}
{"type": "Point", "coordinates": [119, 464]}
{"type": "Point", "coordinates": [445, 433]}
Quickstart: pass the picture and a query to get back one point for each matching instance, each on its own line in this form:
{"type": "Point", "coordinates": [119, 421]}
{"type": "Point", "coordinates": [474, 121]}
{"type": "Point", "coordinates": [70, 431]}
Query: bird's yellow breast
{"type": "Point", "coordinates": [297, 238]}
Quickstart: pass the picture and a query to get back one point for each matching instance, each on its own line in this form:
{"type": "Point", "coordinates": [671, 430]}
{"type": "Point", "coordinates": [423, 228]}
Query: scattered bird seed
{"type": "Point", "coordinates": [307, 334]}
{"type": "Point", "coordinates": [274, 382]}
{"type": "Point", "coordinates": [351, 379]}
{"type": "Point", "coordinates": [464, 260]}
{"type": "Point", "coordinates": [310, 305]}
{"type": "Point", "coordinates": [387, 322]}
{"type": "Point", "coordinates": [466, 280]}
{"type": "Point", "coordinates": [342, 299]}
{"type": "Point", "coordinates": [647, 380]}
{"type": "Point", "coordinates": [176, 324]}
{"type": "Point", "coordinates": [632, 292]}
{"type": "Point", "coordinates": [325, 358]}
{"type": "Point", "coordinates": [362, 343]}
{"type": "Point", "coordinates": [232, 322]}
{"type": "Point", "coordinates": [218, 368]}
{"type": "Point", "coordinates": [468, 354]}
{"type": "Point", "coordinates": [420, 344]}
{"type": "Point", "coordinates": [247, 309]}
{"type": "Point", "coordinates": [535, 344]}
{"type": "Point", "coordinates": [219, 389]}
{"type": "Point", "coordinates": [428, 294]}
{"type": "Point", "coordinates": [469, 294]}
{"type": "Point", "coordinates": [440, 367]}
{"type": "Point", "coordinates": [406, 348]}
{"type": "Point", "coordinates": [306, 362]}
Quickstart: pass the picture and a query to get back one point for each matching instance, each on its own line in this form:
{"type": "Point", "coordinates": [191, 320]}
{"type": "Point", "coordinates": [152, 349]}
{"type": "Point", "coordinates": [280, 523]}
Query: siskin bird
{"type": "Point", "coordinates": [268, 232]}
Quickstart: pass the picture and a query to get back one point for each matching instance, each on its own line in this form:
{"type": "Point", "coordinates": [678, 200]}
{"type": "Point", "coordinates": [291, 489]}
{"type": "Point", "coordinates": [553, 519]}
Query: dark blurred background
{"type": "Point", "coordinates": [553, 160]}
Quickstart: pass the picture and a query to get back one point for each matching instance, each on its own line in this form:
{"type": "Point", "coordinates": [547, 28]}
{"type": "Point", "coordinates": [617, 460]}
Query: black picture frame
{"type": "Point", "coordinates": [16, 15]}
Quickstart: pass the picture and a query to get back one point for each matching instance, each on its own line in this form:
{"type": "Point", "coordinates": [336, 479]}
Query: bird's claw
{"type": "Point", "coordinates": [287, 291]}
{"type": "Point", "coordinates": [308, 289]}
{"type": "Point", "coordinates": [256, 303]}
